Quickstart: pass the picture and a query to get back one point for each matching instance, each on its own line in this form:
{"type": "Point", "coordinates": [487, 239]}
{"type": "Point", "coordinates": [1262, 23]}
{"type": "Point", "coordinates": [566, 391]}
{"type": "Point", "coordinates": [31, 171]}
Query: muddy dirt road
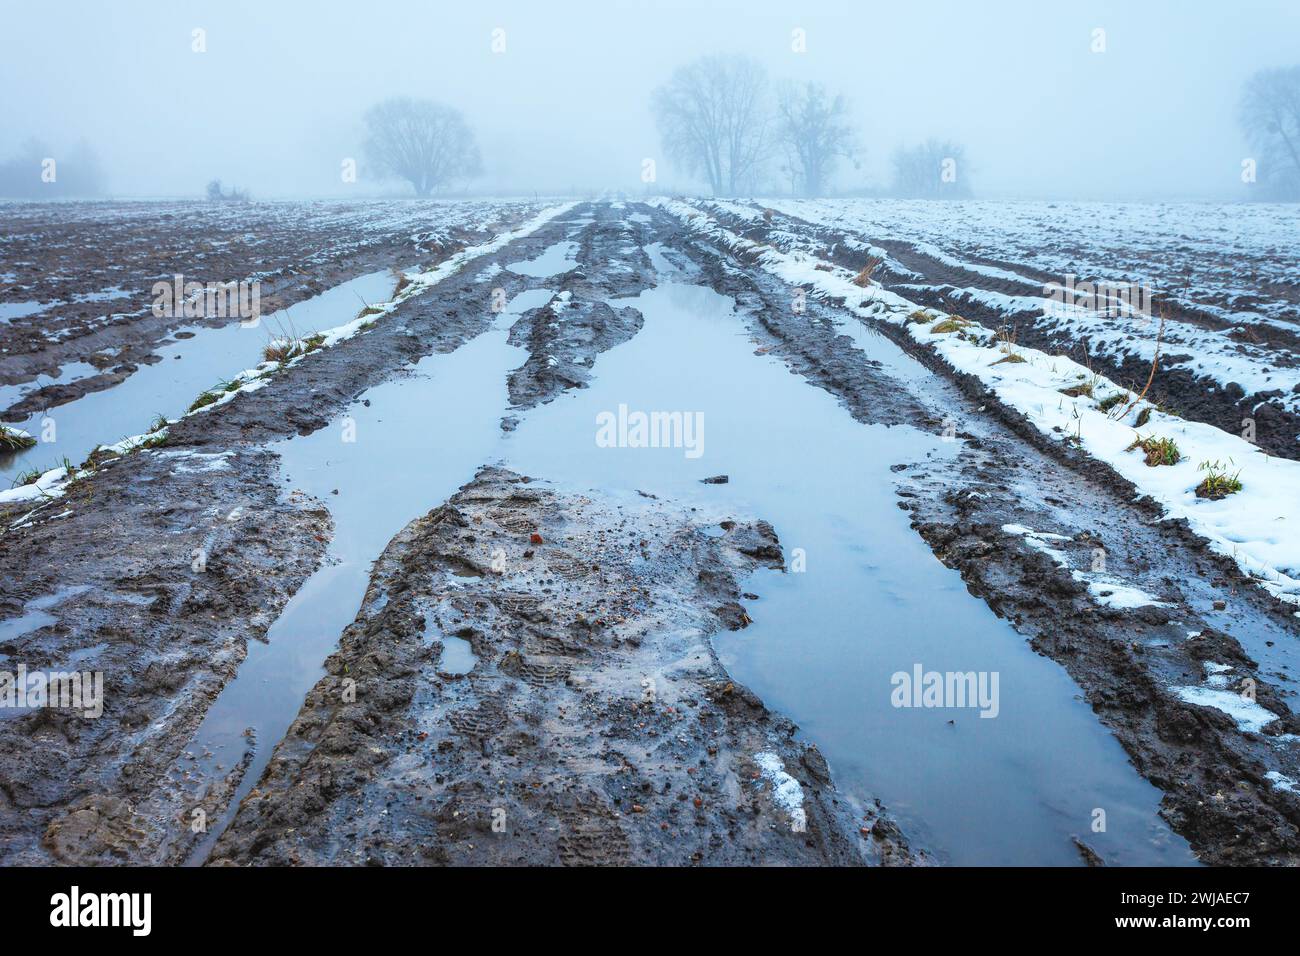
{"type": "Point", "coordinates": [594, 541]}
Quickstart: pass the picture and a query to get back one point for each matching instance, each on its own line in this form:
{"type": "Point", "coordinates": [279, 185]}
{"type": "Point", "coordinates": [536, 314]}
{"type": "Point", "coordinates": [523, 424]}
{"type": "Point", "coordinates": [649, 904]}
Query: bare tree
{"type": "Point", "coordinates": [425, 143]}
{"type": "Point", "coordinates": [712, 117]}
{"type": "Point", "coordinates": [812, 127]}
{"type": "Point", "coordinates": [216, 192]}
{"type": "Point", "coordinates": [1270, 115]}
{"type": "Point", "coordinates": [933, 170]}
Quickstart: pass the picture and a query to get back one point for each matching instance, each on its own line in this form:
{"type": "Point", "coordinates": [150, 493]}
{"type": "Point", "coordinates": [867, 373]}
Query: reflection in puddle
{"type": "Point", "coordinates": [558, 257]}
{"type": "Point", "coordinates": [72, 372]}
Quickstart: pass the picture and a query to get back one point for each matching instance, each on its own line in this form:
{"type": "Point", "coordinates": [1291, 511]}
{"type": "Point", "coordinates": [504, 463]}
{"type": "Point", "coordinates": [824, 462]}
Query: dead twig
{"type": "Point", "coordinates": [1155, 361]}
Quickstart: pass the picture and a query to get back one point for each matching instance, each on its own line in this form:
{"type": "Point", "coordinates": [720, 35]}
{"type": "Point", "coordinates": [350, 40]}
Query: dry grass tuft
{"type": "Point", "coordinates": [12, 440]}
{"type": "Point", "coordinates": [863, 279]}
{"type": "Point", "coordinates": [954, 323]}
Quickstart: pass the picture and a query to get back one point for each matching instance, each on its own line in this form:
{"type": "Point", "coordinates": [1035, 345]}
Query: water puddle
{"type": "Point", "coordinates": [36, 613]}
{"type": "Point", "coordinates": [18, 310]}
{"type": "Point", "coordinates": [34, 617]}
{"type": "Point", "coordinates": [873, 601]}
{"type": "Point", "coordinates": [558, 257]}
{"type": "Point", "coordinates": [1272, 644]}
{"type": "Point", "coordinates": [189, 365]}
{"type": "Point", "coordinates": [417, 440]}
{"type": "Point", "coordinates": [457, 656]}
{"type": "Point", "coordinates": [655, 252]}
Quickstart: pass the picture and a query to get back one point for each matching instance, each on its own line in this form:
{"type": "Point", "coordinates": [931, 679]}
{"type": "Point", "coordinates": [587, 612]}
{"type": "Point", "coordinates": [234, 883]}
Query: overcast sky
{"type": "Point", "coordinates": [275, 102]}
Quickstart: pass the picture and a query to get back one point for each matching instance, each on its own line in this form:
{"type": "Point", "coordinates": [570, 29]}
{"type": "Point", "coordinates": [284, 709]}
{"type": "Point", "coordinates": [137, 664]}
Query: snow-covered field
{"type": "Point", "coordinates": [1240, 262]}
{"type": "Point", "coordinates": [1230, 274]}
{"type": "Point", "coordinates": [48, 264]}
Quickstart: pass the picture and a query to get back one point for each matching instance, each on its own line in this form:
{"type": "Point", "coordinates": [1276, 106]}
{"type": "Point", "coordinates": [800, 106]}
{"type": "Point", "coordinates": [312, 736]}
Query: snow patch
{"type": "Point", "coordinates": [48, 485]}
{"type": "Point", "coordinates": [1282, 782]}
{"type": "Point", "coordinates": [1250, 716]}
{"type": "Point", "coordinates": [191, 462]}
{"type": "Point", "coordinates": [1122, 596]}
{"type": "Point", "coordinates": [786, 791]}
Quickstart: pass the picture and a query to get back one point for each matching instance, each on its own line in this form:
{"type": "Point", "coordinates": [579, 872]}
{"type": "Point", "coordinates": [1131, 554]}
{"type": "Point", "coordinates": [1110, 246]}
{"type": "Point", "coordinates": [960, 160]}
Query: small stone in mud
{"type": "Point", "coordinates": [1220, 605]}
{"type": "Point", "coordinates": [715, 480]}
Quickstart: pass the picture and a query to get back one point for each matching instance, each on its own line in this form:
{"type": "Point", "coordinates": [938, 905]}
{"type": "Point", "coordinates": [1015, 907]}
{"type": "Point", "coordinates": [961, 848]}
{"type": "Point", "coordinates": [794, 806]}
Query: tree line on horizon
{"type": "Point", "coordinates": [721, 119]}
{"type": "Point", "coordinates": [715, 116]}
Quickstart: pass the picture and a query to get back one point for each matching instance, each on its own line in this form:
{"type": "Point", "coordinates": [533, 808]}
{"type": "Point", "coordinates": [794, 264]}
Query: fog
{"type": "Point", "coordinates": [274, 103]}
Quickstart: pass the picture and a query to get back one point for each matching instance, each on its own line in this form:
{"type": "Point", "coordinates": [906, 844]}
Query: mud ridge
{"type": "Point", "coordinates": [596, 726]}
